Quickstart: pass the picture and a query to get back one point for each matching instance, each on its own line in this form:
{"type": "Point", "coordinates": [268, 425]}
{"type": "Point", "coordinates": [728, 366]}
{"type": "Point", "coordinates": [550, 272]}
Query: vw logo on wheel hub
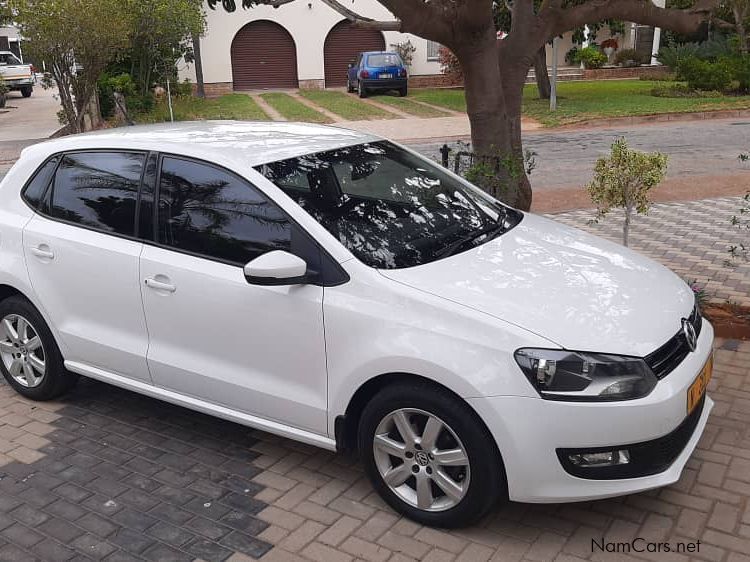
{"type": "Point", "coordinates": [422, 458]}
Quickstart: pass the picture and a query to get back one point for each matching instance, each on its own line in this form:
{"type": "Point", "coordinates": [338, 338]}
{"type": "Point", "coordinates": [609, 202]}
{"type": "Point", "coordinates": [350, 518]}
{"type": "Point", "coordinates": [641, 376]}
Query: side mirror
{"type": "Point", "coordinates": [276, 268]}
{"type": "Point", "coordinates": [350, 65]}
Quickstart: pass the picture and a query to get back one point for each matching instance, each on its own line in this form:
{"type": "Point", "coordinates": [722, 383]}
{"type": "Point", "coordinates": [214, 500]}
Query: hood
{"type": "Point", "coordinates": [577, 290]}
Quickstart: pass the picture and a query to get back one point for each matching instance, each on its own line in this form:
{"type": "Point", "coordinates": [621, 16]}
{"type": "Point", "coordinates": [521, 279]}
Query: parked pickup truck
{"type": "Point", "coordinates": [17, 76]}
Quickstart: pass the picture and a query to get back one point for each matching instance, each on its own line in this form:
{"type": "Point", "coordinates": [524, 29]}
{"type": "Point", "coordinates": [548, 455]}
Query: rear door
{"type": "Point", "coordinates": [82, 255]}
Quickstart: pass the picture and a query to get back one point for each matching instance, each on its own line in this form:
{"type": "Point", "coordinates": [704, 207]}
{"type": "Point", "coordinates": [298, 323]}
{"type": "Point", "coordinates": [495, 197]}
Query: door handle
{"type": "Point", "coordinates": [43, 251]}
{"type": "Point", "coordinates": [152, 283]}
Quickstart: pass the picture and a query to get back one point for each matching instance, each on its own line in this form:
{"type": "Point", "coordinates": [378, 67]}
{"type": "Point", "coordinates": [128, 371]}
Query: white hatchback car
{"type": "Point", "coordinates": [338, 289]}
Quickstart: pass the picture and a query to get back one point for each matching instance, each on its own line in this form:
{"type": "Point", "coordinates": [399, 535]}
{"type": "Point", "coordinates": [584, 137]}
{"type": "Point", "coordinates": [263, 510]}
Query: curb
{"type": "Point", "coordinates": [656, 118]}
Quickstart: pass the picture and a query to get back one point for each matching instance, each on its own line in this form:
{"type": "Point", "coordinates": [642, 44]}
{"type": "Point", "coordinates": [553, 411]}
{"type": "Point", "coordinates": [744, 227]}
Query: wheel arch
{"type": "Point", "coordinates": [346, 425]}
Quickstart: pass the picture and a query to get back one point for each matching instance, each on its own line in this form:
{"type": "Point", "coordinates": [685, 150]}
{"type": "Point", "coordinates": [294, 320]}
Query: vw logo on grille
{"type": "Point", "coordinates": [690, 337]}
{"type": "Point", "coordinates": [422, 458]}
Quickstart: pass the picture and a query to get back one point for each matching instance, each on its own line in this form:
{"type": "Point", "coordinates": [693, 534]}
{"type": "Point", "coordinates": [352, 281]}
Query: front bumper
{"type": "Point", "coordinates": [386, 84]}
{"type": "Point", "coordinates": [529, 431]}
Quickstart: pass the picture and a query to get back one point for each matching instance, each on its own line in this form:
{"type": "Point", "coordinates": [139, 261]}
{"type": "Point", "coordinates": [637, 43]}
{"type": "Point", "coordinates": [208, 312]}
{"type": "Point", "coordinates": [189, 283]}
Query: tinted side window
{"type": "Point", "coordinates": [98, 189]}
{"type": "Point", "coordinates": [209, 211]}
{"type": "Point", "coordinates": [36, 188]}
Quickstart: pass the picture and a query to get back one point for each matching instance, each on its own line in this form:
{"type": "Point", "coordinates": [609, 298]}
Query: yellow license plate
{"type": "Point", "coordinates": [698, 388]}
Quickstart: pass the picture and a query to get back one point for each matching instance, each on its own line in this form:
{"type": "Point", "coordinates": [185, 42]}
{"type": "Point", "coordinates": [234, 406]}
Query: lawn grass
{"type": "Point", "coordinates": [583, 100]}
{"type": "Point", "coordinates": [408, 106]}
{"type": "Point", "coordinates": [230, 106]}
{"type": "Point", "coordinates": [348, 106]}
{"type": "Point", "coordinates": [292, 109]}
{"type": "Point", "coordinates": [452, 98]}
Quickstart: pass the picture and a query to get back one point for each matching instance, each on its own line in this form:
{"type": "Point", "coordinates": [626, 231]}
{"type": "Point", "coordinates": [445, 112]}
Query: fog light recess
{"type": "Point", "coordinates": [605, 458]}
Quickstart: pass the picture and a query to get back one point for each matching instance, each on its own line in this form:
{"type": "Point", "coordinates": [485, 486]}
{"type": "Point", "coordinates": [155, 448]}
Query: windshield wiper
{"type": "Point", "coordinates": [491, 231]}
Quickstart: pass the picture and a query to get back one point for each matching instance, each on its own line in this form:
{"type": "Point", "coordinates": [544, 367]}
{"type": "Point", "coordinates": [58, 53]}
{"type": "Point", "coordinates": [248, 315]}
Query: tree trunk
{"type": "Point", "coordinates": [495, 127]}
{"type": "Point", "coordinates": [626, 225]}
{"type": "Point", "coordinates": [542, 76]}
{"type": "Point", "coordinates": [200, 87]}
{"type": "Point", "coordinates": [739, 19]}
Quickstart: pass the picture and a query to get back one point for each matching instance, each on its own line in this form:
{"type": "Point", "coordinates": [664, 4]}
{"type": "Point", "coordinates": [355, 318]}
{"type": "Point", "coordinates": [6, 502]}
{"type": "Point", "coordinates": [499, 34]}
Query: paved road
{"type": "Point", "coordinates": [566, 158]}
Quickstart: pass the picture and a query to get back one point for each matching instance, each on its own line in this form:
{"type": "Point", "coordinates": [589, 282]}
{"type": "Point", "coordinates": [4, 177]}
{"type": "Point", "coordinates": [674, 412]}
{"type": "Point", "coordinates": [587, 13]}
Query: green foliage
{"type": "Point", "coordinates": [631, 57]}
{"type": "Point", "coordinates": [673, 55]}
{"type": "Point", "coordinates": [740, 66]}
{"type": "Point", "coordinates": [680, 90]}
{"type": "Point", "coordinates": [87, 34]}
{"type": "Point", "coordinates": [624, 179]}
{"type": "Point", "coordinates": [706, 75]}
{"type": "Point", "coordinates": [406, 51]}
{"type": "Point", "coordinates": [592, 57]}
{"type": "Point", "coordinates": [573, 56]}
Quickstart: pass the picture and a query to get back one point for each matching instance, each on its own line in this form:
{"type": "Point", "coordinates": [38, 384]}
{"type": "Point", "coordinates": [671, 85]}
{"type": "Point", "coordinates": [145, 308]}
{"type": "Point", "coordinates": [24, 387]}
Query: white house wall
{"type": "Point", "coordinates": [308, 22]}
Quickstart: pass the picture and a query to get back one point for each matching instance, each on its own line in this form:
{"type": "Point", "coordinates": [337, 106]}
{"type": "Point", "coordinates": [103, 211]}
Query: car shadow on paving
{"type": "Point", "coordinates": [108, 474]}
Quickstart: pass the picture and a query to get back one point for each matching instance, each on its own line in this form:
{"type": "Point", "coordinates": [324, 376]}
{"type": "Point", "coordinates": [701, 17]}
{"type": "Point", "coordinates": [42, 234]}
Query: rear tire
{"type": "Point", "coordinates": [30, 360]}
{"type": "Point", "coordinates": [473, 476]}
{"type": "Point", "coordinates": [403, 92]}
{"type": "Point", "coordinates": [26, 91]}
{"type": "Point", "coordinates": [2, 101]}
{"type": "Point", "coordinates": [361, 90]}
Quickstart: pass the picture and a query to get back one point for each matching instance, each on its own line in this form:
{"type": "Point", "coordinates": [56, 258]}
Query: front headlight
{"type": "Point", "coordinates": [575, 376]}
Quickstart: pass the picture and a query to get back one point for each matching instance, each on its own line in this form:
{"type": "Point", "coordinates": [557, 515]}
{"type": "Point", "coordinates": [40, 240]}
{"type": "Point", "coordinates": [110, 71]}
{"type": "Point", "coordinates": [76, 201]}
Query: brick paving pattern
{"type": "Point", "coordinates": [692, 238]}
{"type": "Point", "coordinates": [105, 474]}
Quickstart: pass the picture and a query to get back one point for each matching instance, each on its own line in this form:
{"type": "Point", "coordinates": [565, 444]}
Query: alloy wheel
{"type": "Point", "coordinates": [421, 459]}
{"type": "Point", "coordinates": [21, 351]}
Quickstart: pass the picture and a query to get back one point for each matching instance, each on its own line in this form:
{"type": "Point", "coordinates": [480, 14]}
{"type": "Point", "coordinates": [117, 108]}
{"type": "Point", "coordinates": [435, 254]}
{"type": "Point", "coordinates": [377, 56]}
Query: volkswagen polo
{"type": "Point", "coordinates": [336, 288]}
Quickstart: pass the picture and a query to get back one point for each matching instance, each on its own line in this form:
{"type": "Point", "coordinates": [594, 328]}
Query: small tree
{"type": "Point", "coordinates": [624, 179]}
{"type": "Point", "coordinates": [3, 91]}
{"type": "Point", "coordinates": [77, 39]}
{"type": "Point", "coordinates": [406, 51]}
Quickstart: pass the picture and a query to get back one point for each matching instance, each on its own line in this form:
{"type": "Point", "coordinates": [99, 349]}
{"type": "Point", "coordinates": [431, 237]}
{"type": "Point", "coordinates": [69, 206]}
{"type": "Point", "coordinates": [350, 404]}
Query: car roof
{"type": "Point", "coordinates": [246, 142]}
{"type": "Point", "coordinates": [379, 53]}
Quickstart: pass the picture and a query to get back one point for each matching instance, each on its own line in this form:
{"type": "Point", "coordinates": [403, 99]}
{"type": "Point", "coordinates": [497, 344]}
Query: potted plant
{"type": "Point", "coordinates": [609, 47]}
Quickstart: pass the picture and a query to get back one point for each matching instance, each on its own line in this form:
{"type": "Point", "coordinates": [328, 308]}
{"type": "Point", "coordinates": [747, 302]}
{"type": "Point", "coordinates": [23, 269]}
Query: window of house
{"type": "Point", "coordinates": [433, 50]}
{"type": "Point", "coordinates": [209, 211]}
{"type": "Point", "coordinates": [98, 190]}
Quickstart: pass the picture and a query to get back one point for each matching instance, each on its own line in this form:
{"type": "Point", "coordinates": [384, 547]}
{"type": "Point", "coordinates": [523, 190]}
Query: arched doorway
{"type": "Point", "coordinates": [341, 47]}
{"type": "Point", "coordinates": [263, 56]}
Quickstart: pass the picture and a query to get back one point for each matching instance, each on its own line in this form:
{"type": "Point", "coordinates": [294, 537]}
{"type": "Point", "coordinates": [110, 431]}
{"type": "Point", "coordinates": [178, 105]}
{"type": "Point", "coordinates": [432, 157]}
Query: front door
{"type": "Point", "coordinates": [256, 349]}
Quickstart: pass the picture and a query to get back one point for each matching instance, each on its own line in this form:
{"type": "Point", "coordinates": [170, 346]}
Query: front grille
{"type": "Point", "coordinates": [665, 359]}
{"type": "Point", "coordinates": [646, 458]}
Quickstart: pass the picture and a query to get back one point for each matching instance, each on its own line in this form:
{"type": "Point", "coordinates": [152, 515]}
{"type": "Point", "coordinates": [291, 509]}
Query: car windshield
{"type": "Point", "coordinates": [7, 59]}
{"type": "Point", "coordinates": [389, 207]}
{"type": "Point", "coordinates": [383, 59]}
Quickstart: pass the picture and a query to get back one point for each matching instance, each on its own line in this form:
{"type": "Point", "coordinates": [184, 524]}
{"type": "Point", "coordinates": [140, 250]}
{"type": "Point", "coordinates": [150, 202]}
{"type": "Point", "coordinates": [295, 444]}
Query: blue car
{"type": "Point", "coordinates": [377, 71]}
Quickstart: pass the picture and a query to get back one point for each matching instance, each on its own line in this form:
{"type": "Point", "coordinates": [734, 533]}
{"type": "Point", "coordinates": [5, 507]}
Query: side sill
{"type": "Point", "coordinates": [202, 406]}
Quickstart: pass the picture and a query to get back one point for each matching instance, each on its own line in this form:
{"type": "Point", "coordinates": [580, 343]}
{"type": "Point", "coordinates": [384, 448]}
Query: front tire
{"type": "Point", "coordinates": [429, 456]}
{"type": "Point", "coordinates": [349, 88]}
{"type": "Point", "coordinates": [30, 360]}
{"type": "Point", "coordinates": [26, 91]}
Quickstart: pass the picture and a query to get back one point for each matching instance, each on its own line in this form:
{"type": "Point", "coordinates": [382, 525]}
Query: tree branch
{"type": "Point", "coordinates": [361, 21]}
{"type": "Point", "coordinates": [558, 20]}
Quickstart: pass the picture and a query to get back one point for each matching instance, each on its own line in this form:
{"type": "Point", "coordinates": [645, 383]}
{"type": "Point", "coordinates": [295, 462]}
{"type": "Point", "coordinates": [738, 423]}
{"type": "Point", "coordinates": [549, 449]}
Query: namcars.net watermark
{"type": "Point", "coordinates": [640, 544]}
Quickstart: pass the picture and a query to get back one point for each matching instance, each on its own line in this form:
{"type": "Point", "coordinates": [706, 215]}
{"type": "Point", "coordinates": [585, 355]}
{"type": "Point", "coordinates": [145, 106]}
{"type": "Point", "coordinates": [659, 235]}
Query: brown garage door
{"type": "Point", "coordinates": [342, 45]}
{"type": "Point", "coordinates": [264, 56]}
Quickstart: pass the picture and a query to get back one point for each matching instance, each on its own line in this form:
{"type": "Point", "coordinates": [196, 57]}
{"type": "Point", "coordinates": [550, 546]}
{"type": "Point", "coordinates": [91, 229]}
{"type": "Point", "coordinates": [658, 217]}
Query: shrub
{"type": "Point", "coordinates": [183, 89]}
{"type": "Point", "coordinates": [673, 56]}
{"type": "Point", "coordinates": [449, 65]}
{"type": "Point", "coordinates": [740, 66]}
{"type": "Point", "coordinates": [591, 57]}
{"type": "Point", "coordinates": [680, 90]}
{"type": "Point", "coordinates": [624, 179]}
{"type": "Point", "coordinates": [573, 56]}
{"type": "Point", "coordinates": [705, 75]}
{"type": "Point", "coordinates": [631, 57]}
{"type": "Point", "coordinates": [406, 51]}
{"type": "Point", "coordinates": [107, 85]}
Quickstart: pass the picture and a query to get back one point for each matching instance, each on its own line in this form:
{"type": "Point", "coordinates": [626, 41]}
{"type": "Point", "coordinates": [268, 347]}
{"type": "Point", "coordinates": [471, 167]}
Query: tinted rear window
{"type": "Point", "coordinates": [386, 59]}
{"type": "Point", "coordinates": [98, 190]}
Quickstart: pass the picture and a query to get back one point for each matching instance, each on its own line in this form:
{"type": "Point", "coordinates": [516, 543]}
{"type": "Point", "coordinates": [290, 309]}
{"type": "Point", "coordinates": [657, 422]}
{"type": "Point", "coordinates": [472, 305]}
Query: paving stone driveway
{"type": "Point", "coordinates": [108, 474]}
